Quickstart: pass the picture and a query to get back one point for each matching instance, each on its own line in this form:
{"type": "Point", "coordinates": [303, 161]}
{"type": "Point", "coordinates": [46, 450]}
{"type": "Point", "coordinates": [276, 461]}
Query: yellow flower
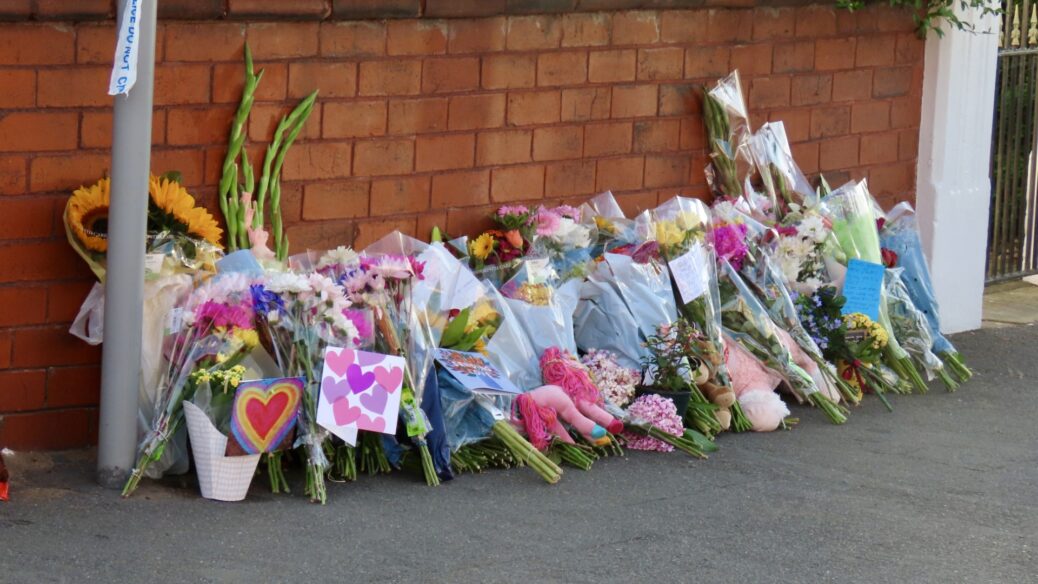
{"type": "Point", "coordinates": [482, 246]}
{"type": "Point", "coordinates": [87, 215]}
{"type": "Point", "coordinates": [248, 337]}
{"type": "Point", "coordinates": [482, 313]}
{"type": "Point", "coordinates": [175, 201]}
{"type": "Point", "coordinates": [479, 347]}
{"type": "Point", "coordinates": [687, 220]}
{"type": "Point", "coordinates": [604, 224]}
{"type": "Point", "coordinates": [220, 357]}
{"type": "Point", "coordinates": [668, 234]}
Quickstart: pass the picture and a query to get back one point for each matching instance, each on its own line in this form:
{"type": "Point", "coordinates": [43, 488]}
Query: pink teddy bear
{"type": "Point", "coordinates": [754, 387]}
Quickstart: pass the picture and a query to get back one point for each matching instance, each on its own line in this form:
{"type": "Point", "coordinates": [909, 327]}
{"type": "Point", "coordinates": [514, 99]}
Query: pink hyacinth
{"type": "Point", "coordinates": [660, 412]}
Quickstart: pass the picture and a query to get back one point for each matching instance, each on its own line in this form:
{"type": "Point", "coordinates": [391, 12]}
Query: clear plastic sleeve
{"type": "Point", "coordinates": [901, 235]}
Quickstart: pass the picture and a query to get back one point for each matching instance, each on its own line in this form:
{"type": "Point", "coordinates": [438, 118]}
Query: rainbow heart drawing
{"type": "Point", "coordinates": [264, 412]}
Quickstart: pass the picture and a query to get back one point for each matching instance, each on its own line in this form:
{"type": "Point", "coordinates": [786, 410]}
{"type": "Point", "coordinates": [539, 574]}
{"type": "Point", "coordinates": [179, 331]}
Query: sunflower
{"type": "Point", "coordinates": [174, 202]}
{"type": "Point", "coordinates": [87, 215]}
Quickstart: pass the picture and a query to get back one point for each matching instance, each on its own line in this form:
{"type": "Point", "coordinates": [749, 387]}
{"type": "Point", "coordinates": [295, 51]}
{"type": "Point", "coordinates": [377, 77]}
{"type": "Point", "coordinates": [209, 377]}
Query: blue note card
{"type": "Point", "coordinates": [863, 287]}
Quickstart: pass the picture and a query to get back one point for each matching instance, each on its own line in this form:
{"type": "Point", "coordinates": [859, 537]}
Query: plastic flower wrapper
{"type": "Point", "coordinates": [602, 319]}
{"type": "Point", "coordinates": [785, 184]}
{"type": "Point", "coordinates": [301, 315]}
{"type": "Point", "coordinates": [911, 326]}
{"type": "Point", "coordinates": [213, 331]}
{"type": "Point", "coordinates": [854, 223]}
{"type": "Point", "coordinates": [728, 130]}
{"type": "Point", "coordinates": [391, 280]}
{"type": "Point", "coordinates": [749, 255]}
{"type": "Point", "coordinates": [900, 234]}
{"type": "Point", "coordinates": [749, 323]}
{"type": "Point", "coordinates": [543, 308]}
{"type": "Point", "coordinates": [473, 417]}
{"type": "Point", "coordinates": [679, 227]}
{"type": "Point", "coordinates": [612, 228]}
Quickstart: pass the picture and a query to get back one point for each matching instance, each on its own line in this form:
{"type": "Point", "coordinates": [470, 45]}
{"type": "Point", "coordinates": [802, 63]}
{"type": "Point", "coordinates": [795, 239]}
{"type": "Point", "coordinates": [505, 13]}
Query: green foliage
{"type": "Point", "coordinates": [930, 15]}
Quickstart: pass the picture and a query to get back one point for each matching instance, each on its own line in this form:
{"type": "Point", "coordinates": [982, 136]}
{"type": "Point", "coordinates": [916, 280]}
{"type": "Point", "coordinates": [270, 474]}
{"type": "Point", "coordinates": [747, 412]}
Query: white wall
{"type": "Point", "coordinates": [953, 188]}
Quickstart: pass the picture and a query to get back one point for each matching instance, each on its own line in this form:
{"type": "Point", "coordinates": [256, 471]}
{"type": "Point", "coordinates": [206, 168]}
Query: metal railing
{"type": "Point", "coordinates": [1013, 224]}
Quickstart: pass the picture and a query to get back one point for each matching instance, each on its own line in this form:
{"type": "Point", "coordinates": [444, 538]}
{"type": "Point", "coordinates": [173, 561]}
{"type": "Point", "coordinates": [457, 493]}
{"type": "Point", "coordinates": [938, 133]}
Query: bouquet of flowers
{"type": "Point", "coordinates": [728, 130]}
{"type": "Point", "coordinates": [543, 309]}
{"type": "Point", "coordinates": [786, 186]}
{"type": "Point", "coordinates": [209, 336]}
{"type": "Point", "coordinates": [910, 324]}
{"type": "Point", "coordinates": [900, 236]}
{"type": "Point", "coordinates": [301, 315]}
{"type": "Point", "coordinates": [616, 382]}
{"type": "Point", "coordinates": [854, 224]}
{"type": "Point", "coordinates": [857, 354]}
{"type": "Point", "coordinates": [679, 229]}
{"type": "Point", "coordinates": [564, 240]}
{"type": "Point", "coordinates": [181, 234]}
{"type": "Point", "coordinates": [738, 240]}
{"type": "Point", "coordinates": [750, 324]}
{"type": "Point", "coordinates": [603, 321]}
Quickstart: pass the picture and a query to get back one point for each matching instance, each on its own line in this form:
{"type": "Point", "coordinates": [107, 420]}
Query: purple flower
{"type": "Point", "coordinates": [730, 243]}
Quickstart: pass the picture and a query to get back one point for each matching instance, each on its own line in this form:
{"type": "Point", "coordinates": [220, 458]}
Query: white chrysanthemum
{"type": "Point", "coordinates": [287, 282]}
{"type": "Point", "coordinates": [340, 256]}
{"type": "Point", "coordinates": [813, 228]}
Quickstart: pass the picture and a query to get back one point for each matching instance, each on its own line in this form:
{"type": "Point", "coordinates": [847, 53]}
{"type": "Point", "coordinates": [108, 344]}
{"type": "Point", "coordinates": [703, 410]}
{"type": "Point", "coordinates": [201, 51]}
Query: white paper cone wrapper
{"type": "Point", "coordinates": [221, 478]}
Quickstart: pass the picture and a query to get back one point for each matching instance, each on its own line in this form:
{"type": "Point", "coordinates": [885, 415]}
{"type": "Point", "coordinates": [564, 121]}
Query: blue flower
{"type": "Point", "coordinates": [264, 301]}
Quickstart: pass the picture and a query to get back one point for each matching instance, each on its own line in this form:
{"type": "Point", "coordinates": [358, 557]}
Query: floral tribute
{"type": "Point", "coordinates": [593, 332]}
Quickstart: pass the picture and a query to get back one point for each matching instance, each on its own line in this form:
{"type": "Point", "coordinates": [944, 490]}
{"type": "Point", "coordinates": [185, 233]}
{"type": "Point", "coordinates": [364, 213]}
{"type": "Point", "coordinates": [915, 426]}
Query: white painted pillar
{"type": "Point", "coordinates": [953, 187]}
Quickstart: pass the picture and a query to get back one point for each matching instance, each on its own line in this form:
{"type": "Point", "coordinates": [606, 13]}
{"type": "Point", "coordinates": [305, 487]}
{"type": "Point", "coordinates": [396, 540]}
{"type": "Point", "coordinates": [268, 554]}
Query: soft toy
{"type": "Point", "coordinates": [560, 368]}
{"type": "Point", "coordinates": [754, 386]}
{"type": "Point", "coordinates": [540, 410]}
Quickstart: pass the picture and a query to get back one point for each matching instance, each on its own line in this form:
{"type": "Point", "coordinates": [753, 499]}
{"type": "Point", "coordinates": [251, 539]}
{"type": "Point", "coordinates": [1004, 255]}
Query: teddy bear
{"type": "Point", "coordinates": [754, 386]}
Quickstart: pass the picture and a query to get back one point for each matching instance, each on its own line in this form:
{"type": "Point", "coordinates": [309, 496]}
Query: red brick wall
{"type": "Point", "coordinates": [421, 122]}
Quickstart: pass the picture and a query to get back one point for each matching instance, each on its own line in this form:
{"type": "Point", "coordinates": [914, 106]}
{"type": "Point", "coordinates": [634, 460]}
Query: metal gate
{"type": "Point", "coordinates": [1013, 225]}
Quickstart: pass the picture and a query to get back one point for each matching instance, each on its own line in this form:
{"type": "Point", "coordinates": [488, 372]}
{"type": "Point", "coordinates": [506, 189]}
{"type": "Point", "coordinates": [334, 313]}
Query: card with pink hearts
{"type": "Point", "coordinates": [359, 391]}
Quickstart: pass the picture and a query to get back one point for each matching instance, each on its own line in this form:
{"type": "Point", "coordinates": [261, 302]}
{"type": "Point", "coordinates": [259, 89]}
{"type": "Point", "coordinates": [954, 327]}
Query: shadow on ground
{"type": "Point", "coordinates": [941, 490]}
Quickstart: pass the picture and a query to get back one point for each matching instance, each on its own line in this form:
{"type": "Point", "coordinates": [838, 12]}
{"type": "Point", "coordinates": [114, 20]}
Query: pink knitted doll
{"type": "Point", "coordinates": [559, 367]}
{"type": "Point", "coordinates": [754, 386]}
{"type": "Point", "coordinates": [541, 409]}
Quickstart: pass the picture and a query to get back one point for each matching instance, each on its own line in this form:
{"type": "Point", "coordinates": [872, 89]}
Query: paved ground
{"type": "Point", "coordinates": [1011, 303]}
{"type": "Point", "coordinates": [941, 490]}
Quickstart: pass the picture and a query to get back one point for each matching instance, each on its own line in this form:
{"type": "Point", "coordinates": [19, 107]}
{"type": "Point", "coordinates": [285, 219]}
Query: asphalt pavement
{"type": "Point", "coordinates": [943, 489]}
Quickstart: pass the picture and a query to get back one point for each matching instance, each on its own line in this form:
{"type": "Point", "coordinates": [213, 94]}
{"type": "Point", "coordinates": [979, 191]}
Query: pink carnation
{"type": "Point", "coordinates": [730, 243]}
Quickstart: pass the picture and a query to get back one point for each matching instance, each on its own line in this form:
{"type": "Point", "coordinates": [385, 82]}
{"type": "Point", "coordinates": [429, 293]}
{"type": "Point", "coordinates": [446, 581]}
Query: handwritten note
{"type": "Point", "coordinates": [124, 70]}
{"type": "Point", "coordinates": [862, 288]}
{"type": "Point", "coordinates": [690, 273]}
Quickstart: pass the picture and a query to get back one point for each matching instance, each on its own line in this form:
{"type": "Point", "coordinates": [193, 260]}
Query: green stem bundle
{"type": "Point", "coordinates": [524, 451]}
